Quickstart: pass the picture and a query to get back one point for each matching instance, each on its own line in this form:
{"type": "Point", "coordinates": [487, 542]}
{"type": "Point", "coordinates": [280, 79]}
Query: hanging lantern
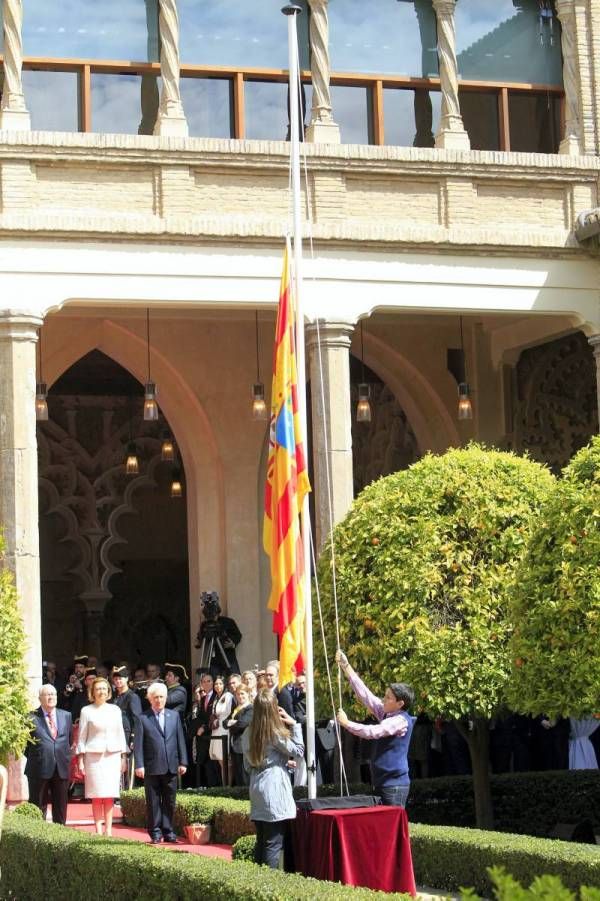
{"type": "Point", "coordinates": [167, 450]}
{"type": "Point", "coordinates": [150, 404]}
{"type": "Point", "coordinates": [259, 405]}
{"type": "Point", "coordinates": [363, 408]}
{"type": "Point", "coordinates": [465, 408]}
{"type": "Point", "coordinates": [132, 466]}
{"type": "Point", "coordinates": [176, 484]}
{"type": "Point", "coordinates": [41, 403]}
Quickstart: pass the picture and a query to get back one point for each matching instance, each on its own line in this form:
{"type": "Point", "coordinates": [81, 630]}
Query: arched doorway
{"type": "Point", "coordinates": [113, 546]}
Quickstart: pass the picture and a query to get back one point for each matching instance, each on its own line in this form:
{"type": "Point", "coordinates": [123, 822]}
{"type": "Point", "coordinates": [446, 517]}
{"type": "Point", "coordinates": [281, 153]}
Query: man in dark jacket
{"type": "Point", "coordinates": [177, 697]}
{"type": "Point", "coordinates": [160, 756]}
{"type": "Point", "coordinates": [49, 755]}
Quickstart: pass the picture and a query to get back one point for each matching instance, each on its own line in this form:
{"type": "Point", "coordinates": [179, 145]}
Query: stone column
{"type": "Point", "coordinates": [452, 134]}
{"type": "Point", "coordinates": [171, 118]}
{"type": "Point", "coordinates": [19, 476]}
{"type": "Point", "coordinates": [595, 342]}
{"type": "Point", "coordinates": [322, 128]}
{"type": "Point", "coordinates": [13, 112]}
{"type": "Point", "coordinates": [571, 144]}
{"type": "Point", "coordinates": [331, 422]}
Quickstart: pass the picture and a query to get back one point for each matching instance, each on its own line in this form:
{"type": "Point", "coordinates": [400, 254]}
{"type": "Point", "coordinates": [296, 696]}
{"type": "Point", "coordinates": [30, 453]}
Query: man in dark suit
{"type": "Point", "coordinates": [207, 770]}
{"type": "Point", "coordinates": [49, 755]}
{"type": "Point", "coordinates": [160, 756]}
{"type": "Point", "coordinates": [284, 695]}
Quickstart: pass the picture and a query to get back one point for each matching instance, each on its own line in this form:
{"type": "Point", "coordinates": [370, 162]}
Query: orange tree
{"type": "Point", "coordinates": [556, 605]}
{"type": "Point", "coordinates": [14, 707]}
{"type": "Point", "coordinates": [425, 565]}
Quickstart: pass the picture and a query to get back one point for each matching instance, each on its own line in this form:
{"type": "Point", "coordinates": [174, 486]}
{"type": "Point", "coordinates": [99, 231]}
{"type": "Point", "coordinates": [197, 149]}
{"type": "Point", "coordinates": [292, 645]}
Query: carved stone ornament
{"type": "Point", "coordinates": [556, 411]}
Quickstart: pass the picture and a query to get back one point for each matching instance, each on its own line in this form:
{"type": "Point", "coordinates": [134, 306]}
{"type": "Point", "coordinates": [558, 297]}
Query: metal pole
{"type": "Point", "coordinates": [291, 12]}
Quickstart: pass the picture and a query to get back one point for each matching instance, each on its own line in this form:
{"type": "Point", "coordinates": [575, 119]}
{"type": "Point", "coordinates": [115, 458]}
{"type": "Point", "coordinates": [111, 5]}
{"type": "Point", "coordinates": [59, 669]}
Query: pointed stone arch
{"type": "Point", "coordinates": [191, 428]}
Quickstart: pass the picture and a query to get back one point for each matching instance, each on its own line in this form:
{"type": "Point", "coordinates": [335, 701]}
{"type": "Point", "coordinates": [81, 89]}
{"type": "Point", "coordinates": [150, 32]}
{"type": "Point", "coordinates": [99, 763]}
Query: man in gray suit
{"type": "Point", "coordinates": [48, 755]}
{"type": "Point", "coordinates": [160, 756]}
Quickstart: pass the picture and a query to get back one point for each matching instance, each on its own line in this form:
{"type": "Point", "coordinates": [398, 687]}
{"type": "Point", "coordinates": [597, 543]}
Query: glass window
{"type": "Point", "coordinates": [352, 112]}
{"type": "Point", "coordinates": [124, 104]}
{"type": "Point", "coordinates": [91, 29]}
{"type": "Point", "coordinates": [397, 37]}
{"type": "Point", "coordinates": [208, 105]}
{"type": "Point", "coordinates": [411, 118]}
{"type": "Point", "coordinates": [507, 41]}
{"type": "Point", "coordinates": [480, 117]}
{"type": "Point", "coordinates": [62, 114]}
{"type": "Point", "coordinates": [266, 109]}
{"type": "Point", "coordinates": [239, 35]}
{"type": "Point", "coordinates": [534, 122]}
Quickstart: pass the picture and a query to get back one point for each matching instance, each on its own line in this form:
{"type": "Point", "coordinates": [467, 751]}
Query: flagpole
{"type": "Point", "coordinates": [291, 11]}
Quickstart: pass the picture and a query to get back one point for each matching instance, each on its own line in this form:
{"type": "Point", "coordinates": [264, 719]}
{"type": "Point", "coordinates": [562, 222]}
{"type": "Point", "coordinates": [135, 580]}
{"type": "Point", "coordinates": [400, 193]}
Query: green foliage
{"type": "Point", "coordinates": [244, 848]}
{"type": "Point", "coordinates": [28, 810]}
{"type": "Point", "coordinates": [450, 858]}
{"type": "Point", "coordinates": [449, 801]}
{"type": "Point", "coordinates": [229, 818]}
{"type": "Point", "coordinates": [543, 888]}
{"type": "Point", "coordinates": [556, 605]}
{"type": "Point", "coordinates": [41, 860]}
{"type": "Point", "coordinates": [14, 721]}
{"type": "Point", "coordinates": [425, 563]}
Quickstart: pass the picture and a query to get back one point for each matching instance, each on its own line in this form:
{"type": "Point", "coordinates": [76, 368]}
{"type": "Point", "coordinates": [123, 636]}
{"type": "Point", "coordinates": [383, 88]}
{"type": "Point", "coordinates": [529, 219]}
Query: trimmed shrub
{"type": "Point", "coordinates": [448, 858]}
{"type": "Point", "coordinates": [15, 725]}
{"type": "Point", "coordinates": [41, 860]}
{"type": "Point", "coordinates": [28, 810]}
{"type": "Point", "coordinates": [244, 848]}
{"type": "Point", "coordinates": [524, 803]}
{"type": "Point", "coordinates": [230, 818]}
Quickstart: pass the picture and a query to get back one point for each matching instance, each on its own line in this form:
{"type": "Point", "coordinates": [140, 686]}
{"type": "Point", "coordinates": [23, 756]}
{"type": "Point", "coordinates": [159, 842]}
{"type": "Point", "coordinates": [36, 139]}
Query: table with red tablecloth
{"type": "Point", "coordinates": [367, 846]}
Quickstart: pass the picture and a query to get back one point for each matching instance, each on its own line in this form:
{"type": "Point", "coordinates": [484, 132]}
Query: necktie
{"type": "Point", "coordinates": [161, 722]}
{"type": "Point", "coordinates": [52, 725]}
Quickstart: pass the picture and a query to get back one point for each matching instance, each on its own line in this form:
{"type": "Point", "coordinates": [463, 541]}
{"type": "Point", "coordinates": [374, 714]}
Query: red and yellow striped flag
{"type": "Point", "coordinates": [285, 490]}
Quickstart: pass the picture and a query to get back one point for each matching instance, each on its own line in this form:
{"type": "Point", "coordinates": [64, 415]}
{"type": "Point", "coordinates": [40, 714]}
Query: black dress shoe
{"type": "Point", "coordinates": [171, 839]}
{"type": "Point", "coordinates": [156, 839]}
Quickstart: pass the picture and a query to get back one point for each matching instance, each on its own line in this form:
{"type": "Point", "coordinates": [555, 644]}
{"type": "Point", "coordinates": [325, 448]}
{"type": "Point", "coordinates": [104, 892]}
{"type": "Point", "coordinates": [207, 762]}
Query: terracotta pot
{"type": "Point", "coordinates": [197, 833]}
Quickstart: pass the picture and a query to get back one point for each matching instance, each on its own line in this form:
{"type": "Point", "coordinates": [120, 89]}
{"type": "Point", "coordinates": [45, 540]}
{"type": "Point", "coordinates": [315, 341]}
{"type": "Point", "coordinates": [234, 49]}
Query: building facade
{"type": "Point", "coordinates": [452, 158]}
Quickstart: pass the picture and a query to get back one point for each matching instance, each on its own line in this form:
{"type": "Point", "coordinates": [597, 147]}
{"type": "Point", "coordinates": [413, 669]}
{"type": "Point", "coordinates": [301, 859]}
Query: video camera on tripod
{"type": "Point", "coordinates": [211, 632]}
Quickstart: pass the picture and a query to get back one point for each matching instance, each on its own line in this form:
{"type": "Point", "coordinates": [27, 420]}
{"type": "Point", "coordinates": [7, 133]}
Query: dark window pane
{"type": "Point", "coordinates": [411, 118]}
{"type": "Point", "coordinates": [534, 122]}
{"type": "Point", "coordinates": [266, 110]}
{"type": "Point", "coordinates": [91, 29]}
{"type": "Point", "coordinates": [388, 36]}
{"type": "Point", "coordinates": [497, 42]}
{"type": "Point", "coordinates": [229, 33]}
{"type": "Point", "coordinates": [266, 107]}
{"type": "Point", "coordinates": [52, 100]}
{"type": "Point", "coordinates": [480, 116]}
{"type": "Point", "coordinates": [124, 104]}
{"type": "Point", "coordinates": [208, 104]}
{"type": "Point", "coordinates": [351, 111]}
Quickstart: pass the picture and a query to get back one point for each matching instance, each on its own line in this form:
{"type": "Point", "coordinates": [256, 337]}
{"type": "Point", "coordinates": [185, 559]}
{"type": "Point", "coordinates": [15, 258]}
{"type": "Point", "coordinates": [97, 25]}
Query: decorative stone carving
{"type": "Point", "coordinates": [556, 410]}
{"type": "Point", "coordinates": [322, 128]}
{"type": "Point", "coordinates": [83, 481]}
{"type": "Point", "coordinates": [594, 342]}
{"type": "Point", "coordinates": [571, 142]}
{"type": "Point", "coordinates": [386, 444]}
{"type": "Point", "coordinates": [13, 111]}
{"type": "Point", "coordinates": [452, 133]}
{"type": "Point", "coordinates": [171, 117]}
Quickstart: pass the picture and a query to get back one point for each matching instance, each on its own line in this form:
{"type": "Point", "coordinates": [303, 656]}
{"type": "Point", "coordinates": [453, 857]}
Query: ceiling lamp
{"type": "Point", "coordinates": [458, 367]}
{"type": "Point", "coordinates": [41, 390]}
{"type": "Point", "coordinates": [167, 449]}
{"type": "Point", "coordinates": [259, 404]}
{"type": "Point", "coordinates": [176, 483]}
{"type": "Point", "coordinates": [132, 465]}
{"type": "Point", "coordinates": [363, 408]}
{"type": "Point", "coordinates": [150, 404]}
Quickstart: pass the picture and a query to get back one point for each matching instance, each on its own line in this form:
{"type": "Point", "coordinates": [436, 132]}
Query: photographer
{"type": "Point", "coordinates": [217, 637]}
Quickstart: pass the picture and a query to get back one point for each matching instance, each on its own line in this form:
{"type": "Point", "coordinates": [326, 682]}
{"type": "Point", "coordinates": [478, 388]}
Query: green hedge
{"type": "Point", "coordinates": [230, 818]}
{"type": "Point", "coordinates": [450, 858]}
{"type": "Point", "coordinates": [551, 798]}
{"type": "Point", "coordinates": [40, 860]}
{"type": "Point", "coordinates": [525, 803]}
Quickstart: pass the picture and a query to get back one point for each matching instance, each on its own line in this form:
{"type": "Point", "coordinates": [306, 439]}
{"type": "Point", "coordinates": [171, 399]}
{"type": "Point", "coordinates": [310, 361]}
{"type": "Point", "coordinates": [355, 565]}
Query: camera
{"type": "Point", "coordinates": [211, 606]}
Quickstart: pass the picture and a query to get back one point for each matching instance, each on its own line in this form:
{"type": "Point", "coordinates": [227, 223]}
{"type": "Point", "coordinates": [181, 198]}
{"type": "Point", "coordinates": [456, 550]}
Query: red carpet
{"type": "Point", "coordinates": [79, 816]}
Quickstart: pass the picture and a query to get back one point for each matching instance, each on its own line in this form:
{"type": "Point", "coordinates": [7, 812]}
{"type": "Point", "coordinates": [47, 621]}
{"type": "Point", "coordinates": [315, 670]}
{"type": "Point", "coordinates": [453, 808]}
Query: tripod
{"type": "Point", "coordinates": [207, 649]}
